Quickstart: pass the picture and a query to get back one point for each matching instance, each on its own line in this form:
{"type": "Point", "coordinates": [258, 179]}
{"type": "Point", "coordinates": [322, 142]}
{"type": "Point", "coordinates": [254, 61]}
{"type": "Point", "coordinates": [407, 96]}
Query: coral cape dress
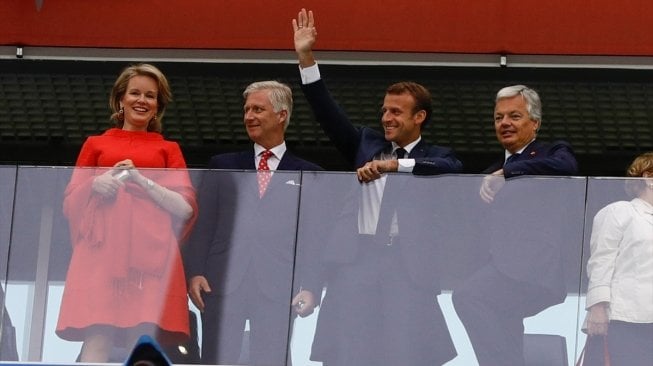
{"type": "Point", "coordinates": [126, 272]}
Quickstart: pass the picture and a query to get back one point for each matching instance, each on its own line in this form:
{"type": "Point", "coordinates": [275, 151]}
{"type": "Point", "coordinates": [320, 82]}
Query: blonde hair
{"type": "Point", "coordinates": [119, 89]}
{"type": "Point", "coordinates": [642, 164]}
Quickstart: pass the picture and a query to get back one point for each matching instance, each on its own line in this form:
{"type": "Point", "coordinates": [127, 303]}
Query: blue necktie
{"type": "Point", "coordinates": [512, 158]}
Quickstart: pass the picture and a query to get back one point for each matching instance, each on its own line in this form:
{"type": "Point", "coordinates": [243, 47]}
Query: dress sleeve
{"type": "Point", "coordinates": [181, 184]}
{"type": "Point", "coordinates": [79, 203]}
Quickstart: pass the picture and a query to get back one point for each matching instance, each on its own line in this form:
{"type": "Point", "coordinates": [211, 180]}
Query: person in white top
{"type": "Point", "coordinates": [620, 270]}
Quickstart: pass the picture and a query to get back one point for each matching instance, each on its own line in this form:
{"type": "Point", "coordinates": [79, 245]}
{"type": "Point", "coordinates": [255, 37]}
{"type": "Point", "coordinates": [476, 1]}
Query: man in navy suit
{"type": "Point", "coordinates": [240, 257]}
{"type": "Point", "coordinates": [522, 223]}
{"type": "Point", "coordinates": [380, 305]}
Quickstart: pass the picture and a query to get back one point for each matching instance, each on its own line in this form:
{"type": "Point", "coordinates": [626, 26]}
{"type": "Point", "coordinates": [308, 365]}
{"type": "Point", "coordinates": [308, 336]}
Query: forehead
{"type": "Point", "coordinates": [142, 82]}
{"type": "Point", "coordinates": [403, 100]}
{"type": "Point", "coordinates": [258, 97]}
{"type": "Point", "coordinates": [512, 104]}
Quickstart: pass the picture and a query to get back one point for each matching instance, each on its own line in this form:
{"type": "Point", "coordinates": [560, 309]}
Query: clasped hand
{"type": "Point", "coordinates": [108, 183]}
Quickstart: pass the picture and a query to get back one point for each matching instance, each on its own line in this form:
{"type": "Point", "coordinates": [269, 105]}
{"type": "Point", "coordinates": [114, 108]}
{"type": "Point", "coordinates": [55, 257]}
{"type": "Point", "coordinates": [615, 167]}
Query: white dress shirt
{"type": "Point", "coordinates": [274, 160]}
{"type": "Point", "coordinates": [620, 267]}
{"type": "Point", "coordinates": [370, 204]}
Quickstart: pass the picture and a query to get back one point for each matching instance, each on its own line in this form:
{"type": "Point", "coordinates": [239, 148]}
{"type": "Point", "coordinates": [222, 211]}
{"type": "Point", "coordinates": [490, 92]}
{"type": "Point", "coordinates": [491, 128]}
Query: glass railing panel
{"type": "Point", "coordinates": [38, 258]}
{"type": "Point", "coordinates": [93, 260]}
{"type": "Point", "coordinates": [617, 268]}
{"type": "Point", "coordinates": [8, 350]}
{"type": "Point", "coordinates": [307, 233]}
{"type": "Point", "coordinates": [438, 243]}
{"type": "Point", "coordinates": [243, 245]}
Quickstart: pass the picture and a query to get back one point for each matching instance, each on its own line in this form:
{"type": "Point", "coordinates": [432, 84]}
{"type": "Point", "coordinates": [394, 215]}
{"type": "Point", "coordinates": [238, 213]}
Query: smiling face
{"type": "Point", "coordinates": [264, 126]}
{"type": "Point", "coordinates": [512, 123]}
{"type": "Point", "coordinates": [400, 123]}
{"type": "Point", "coordinates": [139, 103]}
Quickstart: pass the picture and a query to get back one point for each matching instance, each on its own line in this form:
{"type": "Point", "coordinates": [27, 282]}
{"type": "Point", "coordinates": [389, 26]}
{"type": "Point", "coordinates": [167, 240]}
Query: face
{"type": "Point", "coordinates": [264, 125]}
{"type": "Point", "coordinates": [513, 125]}
{"type": "Point", "coordinates": [139, 102]}
{"type": "Point", "coordinates": [399, 122]}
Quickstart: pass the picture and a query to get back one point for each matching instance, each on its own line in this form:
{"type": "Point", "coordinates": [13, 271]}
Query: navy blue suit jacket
{"type": "Point", "coordinates": [237, 231]}
{"type": "Point", "coordinates": [540, 158]}
{"type": "Point", "coordinates": [419, 245]}
{"type": "Point", "coordinates": [527, 222]}
{"type": "Point", "coordinates": [360, 144]}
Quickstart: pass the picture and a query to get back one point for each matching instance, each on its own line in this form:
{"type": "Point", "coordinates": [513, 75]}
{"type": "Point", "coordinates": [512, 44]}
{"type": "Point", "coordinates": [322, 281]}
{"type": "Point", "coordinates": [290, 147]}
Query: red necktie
{"type": "Point", "coordinates": [263, 173]}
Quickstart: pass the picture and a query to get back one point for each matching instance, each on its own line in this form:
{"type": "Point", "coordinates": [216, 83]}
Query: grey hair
{"type": "Point", "coordinates": [533, 102]}
{"type": "Point", "coordinates": [280, 96]}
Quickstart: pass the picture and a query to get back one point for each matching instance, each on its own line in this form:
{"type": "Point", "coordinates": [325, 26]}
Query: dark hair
{"type": "Point", "coordinates": [120, 88]}
{"type": "Point", "coordinates": [419, 93]}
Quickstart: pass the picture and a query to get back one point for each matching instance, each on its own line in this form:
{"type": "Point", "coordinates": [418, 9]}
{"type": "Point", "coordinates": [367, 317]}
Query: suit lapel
{"type": "Point", "coordinates": [419, 151]}
{"type": "Point", "coordinates": [246, 160]}
{"type": "Point", "coordinates": [530, 152]}
{"type": "Point", "coordinates": [286, 162]}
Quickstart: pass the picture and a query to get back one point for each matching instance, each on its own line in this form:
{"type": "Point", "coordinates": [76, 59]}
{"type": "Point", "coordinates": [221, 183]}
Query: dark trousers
{"type": "Point", "coordinates": [630, 344]}
{"type": "Point", "coordinates": [223, 323]}
{"type": "Point", "coordinates": [374, 314]}
{"type": "Point", "coordinates": [492, 307]}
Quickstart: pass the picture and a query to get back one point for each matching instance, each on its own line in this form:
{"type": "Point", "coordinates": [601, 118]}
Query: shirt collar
{"type": "Point", "coordinates": [278, 150]}
{"type": "Point", "coordinates": [408, 147]}
{"type": "Point", "coordinates": [643, 205]}
{"type": "Point", "coordinates": [508, 154]}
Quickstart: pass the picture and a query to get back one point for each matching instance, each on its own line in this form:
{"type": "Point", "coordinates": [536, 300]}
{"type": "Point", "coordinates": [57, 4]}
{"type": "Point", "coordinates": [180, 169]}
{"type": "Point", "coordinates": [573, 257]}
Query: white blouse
{"type": "Point", "coordinates": [620, 267]}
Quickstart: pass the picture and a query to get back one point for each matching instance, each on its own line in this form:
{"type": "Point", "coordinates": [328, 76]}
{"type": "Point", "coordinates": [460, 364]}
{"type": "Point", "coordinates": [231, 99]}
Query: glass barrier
{"type": "Point", "coordinates": [7, 189]}
{"type": "Point", "coordinates": [618, 268]}
{"type": "Point", "coordinates": [314, 268]}
{"type": "Point", "coordinates": [396, 293]}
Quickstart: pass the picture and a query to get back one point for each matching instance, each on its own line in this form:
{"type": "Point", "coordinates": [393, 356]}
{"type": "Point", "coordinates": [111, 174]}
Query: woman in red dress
{"type": "Point", "coordinates": [126, 276]}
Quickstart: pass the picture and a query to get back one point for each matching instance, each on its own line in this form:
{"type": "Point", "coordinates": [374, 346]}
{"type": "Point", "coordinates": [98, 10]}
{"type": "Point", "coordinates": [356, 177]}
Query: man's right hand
{"type": "Point", "coordinates": [372, 170]}
{"type": "Point", "coordinates": [196, 286]}
{"type": "Point", "coordinates": [305, 36]}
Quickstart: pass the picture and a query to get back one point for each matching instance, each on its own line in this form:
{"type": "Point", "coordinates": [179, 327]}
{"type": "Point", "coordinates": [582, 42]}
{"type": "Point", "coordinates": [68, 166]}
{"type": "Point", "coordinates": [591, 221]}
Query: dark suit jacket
{"type": "Point", "coordinates": [540, 158]}
{"type": "Point", "coordinates": [360, 145]}
{"type": "Point", "coordinates": [237, 232]}
{"type": "Point", "coordinates": [526, 236]}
